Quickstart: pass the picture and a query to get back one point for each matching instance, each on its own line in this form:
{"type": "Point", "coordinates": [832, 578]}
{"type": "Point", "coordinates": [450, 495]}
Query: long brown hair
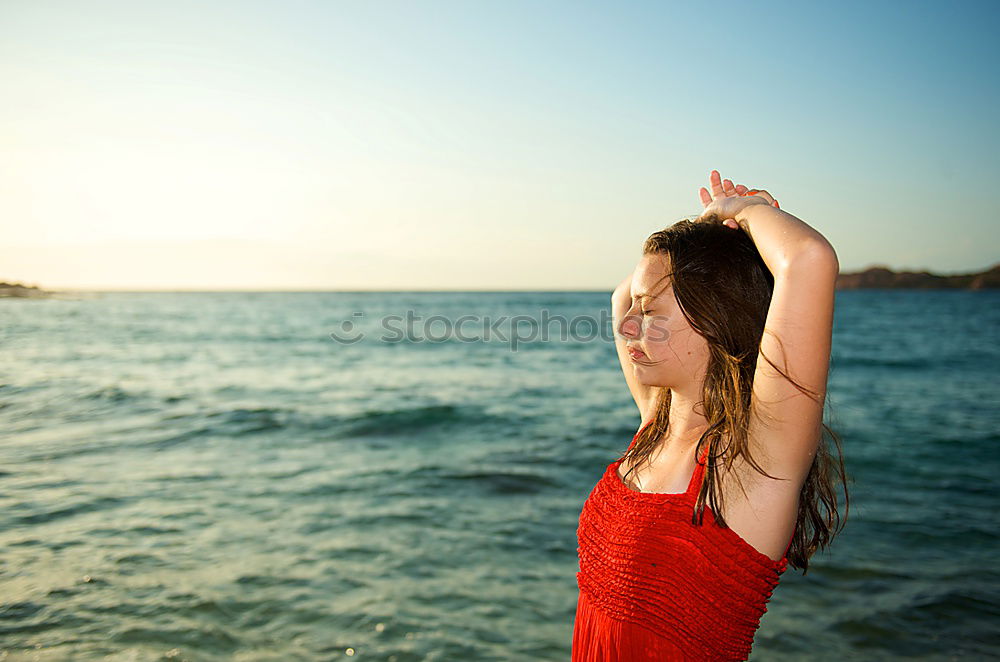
{"type": "Point", "coordinates": [724, 288]}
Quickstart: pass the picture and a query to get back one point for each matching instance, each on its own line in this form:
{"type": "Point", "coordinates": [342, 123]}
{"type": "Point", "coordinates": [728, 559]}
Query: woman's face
{"type": "Point", "coordinates": [673, 354]}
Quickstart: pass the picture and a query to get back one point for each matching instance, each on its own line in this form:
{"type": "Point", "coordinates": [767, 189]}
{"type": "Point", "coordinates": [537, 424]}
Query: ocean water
{"type": "Point", "coordinates": [211, 476]}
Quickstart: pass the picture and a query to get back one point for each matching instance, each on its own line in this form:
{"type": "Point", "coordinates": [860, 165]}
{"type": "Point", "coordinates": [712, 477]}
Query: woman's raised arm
{"type": "Point", "coordinates": [798, 329]}
{"type": "Point", "coordinates": [621, 302]}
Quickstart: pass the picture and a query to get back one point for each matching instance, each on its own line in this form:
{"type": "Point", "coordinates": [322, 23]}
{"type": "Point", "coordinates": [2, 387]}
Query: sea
{"type": "Point", "coordinates": [398, 476]}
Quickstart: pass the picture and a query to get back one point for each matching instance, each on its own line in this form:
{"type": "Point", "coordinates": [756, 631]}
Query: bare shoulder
{"type": "Point", "coordinates": [761, 510]}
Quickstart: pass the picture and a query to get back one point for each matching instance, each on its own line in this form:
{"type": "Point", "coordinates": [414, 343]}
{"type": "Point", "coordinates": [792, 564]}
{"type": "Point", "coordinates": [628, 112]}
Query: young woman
{"type": "Point", "coordinates": [723, 331]}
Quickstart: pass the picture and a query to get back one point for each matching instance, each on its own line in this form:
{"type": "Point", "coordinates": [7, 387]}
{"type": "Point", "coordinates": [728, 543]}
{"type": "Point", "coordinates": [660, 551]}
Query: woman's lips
{"type": "Point", "coordinates": [636, 354]}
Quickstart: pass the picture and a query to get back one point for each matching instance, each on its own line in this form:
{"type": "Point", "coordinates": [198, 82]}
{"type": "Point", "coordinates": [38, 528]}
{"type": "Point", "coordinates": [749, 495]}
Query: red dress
{"type": "Point", "coordinates": [654, 586]}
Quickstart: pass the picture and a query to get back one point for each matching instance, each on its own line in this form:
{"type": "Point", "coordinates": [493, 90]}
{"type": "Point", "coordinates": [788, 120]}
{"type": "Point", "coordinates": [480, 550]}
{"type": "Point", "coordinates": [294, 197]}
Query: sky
{"type": "Point", "coordinates": [429, 145]}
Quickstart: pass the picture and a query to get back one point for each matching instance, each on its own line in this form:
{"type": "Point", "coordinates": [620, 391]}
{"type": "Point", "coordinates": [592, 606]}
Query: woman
{"type": "Point", "coordinates": [723, 332]}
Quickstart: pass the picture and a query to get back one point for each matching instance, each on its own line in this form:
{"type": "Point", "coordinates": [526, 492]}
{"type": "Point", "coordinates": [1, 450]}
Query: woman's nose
{"type": "Point", "coordinates": [629, 327]}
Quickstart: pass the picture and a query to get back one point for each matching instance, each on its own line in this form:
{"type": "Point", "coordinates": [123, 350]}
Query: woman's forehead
{"type": "Point", "coordinates": [651, 277]}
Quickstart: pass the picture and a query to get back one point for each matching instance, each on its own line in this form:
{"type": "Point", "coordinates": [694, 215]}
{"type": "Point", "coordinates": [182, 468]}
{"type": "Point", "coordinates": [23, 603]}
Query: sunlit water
{"type": "Point", "coordinates": [200, 476]}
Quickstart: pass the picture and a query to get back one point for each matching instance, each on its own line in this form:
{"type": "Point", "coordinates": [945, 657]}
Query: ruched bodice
{"type": "Point", "coordinates": [654, 586]}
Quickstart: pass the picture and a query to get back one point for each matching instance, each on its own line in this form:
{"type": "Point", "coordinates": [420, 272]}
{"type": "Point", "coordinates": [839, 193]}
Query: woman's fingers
{"type": "Point", "coordinates": [726, 188]}
{"type": "Point", "coordinates": [722, 187]}
{"type": "Point", "coordinates": [716, 180]}
{"type": "Point", "coordinates": [706, 199]}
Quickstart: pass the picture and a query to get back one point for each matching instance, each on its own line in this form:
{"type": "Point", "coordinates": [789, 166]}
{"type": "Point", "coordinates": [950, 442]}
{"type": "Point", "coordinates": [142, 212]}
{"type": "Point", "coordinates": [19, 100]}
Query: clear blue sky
{"type": "Point", "coordinates": [502, 145]}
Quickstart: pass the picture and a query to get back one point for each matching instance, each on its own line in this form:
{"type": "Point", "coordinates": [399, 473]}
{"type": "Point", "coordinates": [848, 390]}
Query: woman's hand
{"type": "Point", "coordinates": [730, 199]}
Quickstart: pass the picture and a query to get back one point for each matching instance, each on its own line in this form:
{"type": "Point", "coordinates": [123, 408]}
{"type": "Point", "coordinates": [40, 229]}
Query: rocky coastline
{"type": "Point", "coordinates": [881, 277]}
{"type": "Point", "coordinates": [22, 291]}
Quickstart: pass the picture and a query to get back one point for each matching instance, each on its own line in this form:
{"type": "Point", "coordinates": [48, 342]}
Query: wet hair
{"type": "Point", "coordinates": [724, 288]}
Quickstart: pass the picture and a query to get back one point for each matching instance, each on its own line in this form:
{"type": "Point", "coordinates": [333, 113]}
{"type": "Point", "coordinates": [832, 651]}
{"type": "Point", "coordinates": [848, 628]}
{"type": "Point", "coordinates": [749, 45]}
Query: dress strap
{"type": "Point", "coordinates": [699, 471]}
{"type": "Point", "coordinates": [791, 540]}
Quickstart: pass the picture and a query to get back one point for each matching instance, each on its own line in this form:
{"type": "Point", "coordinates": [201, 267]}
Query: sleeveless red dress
{"type": "Point", "coordinates": [654, 586]}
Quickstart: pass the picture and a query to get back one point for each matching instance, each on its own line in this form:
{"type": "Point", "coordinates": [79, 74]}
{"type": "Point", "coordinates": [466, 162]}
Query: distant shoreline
{"type": "Point", "coordinates": [21, 291]}
{"type": "Point", "coordinates": [875, 277]}
{"type": "Point", "coordinates": [880, 277]}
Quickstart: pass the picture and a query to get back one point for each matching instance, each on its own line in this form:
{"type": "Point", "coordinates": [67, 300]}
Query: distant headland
{"type": "Point", "coordinates": [23, 291]}
{"type": "Point", "coordinates": [881, 277]}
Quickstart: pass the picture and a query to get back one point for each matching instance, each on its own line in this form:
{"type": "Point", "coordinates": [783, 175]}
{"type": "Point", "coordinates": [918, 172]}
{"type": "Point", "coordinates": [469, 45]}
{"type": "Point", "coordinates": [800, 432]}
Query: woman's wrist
{"type": "Point", "coordinates": [750, 202]}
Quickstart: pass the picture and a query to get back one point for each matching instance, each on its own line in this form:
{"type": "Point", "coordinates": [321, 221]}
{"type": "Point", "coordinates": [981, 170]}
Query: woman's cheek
{"type": "Point", "coordinates": [659, 337]}
{"type": "Point", "coordinates": [658, 351]}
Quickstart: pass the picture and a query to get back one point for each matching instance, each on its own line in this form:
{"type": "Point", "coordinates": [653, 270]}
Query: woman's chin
{"type": "Point", "coordinates": [646, 380]}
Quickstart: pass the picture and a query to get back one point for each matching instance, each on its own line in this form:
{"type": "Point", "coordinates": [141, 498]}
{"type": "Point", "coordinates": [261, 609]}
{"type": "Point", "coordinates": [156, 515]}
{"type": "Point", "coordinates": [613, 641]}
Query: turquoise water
{"type": "Point", "coordinates": [208, 476]}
